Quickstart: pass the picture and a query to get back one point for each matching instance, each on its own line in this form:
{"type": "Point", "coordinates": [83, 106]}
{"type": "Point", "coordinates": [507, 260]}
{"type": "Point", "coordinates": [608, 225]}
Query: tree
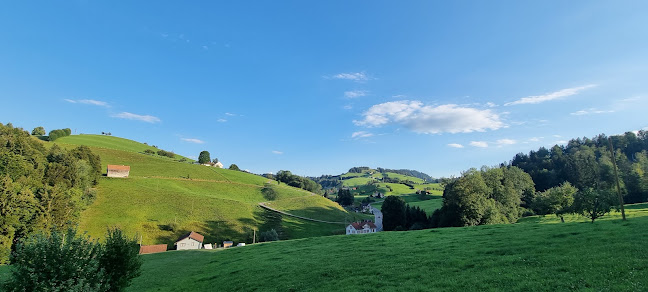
{"type": "Point", "coordinates": [204, 157]}
{"type": "Point", "coordinates": [215, 160]}
{"type": "Point", "coordinates": [234, 167]}
{"type": "Point", "coordinates": [557, 200]}
{"type": "Point", "coordinates": [120, 259]}
{"type": "Point", "coordinates": [58, 262]}
{"type": "Point", "coordinates": [344, 197]}
{"type": "Point", "coordinates": [394, 213]}
{"type": "Point", "coordinates": [270, 235]}
{"type": "Point", "coordinates": [38, 131]}
{"type": "Point", "coordinates": [592, 203]}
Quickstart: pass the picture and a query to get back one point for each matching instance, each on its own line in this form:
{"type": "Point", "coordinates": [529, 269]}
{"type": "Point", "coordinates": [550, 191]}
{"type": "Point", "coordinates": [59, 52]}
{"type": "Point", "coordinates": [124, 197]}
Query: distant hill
{"type": "Point", "coordinates": [164, 198]}
{"type": "Point", "coordinates": [365, 181]}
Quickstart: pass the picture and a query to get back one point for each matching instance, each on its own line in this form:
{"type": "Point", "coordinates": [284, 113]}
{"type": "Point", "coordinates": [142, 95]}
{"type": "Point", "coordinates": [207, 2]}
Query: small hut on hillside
{"type": "Point", "coordinates": [118, 171]}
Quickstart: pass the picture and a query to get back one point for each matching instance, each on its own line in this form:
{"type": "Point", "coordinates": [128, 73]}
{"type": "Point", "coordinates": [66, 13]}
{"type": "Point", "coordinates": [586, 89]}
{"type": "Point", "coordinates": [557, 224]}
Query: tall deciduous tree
{"type": "Point", "coordinates": [592, 203]}
{"type": "Point", "coordinates": [38, 131]}
{"type": "Point", "coordinates": [204, 157]}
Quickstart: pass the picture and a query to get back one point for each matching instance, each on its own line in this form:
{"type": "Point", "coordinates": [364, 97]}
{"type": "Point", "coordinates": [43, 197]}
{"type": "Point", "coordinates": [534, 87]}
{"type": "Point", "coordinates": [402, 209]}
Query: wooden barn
{"type": "Point", "coordinates": [118, 171]}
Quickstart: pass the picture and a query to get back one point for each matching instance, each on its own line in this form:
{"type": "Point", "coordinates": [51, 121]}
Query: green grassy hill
{"type": "Point", "coordinates": [360, 186]}
{"type": "Point", "coordinates": [537, 254]}
{"type": "Point", "coordinates": [163, 198]}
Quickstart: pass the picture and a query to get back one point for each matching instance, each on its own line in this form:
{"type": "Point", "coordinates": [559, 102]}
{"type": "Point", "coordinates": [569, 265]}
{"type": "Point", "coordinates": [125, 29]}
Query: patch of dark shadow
{"type": "Point", "coordinates": [234, 272]}
{"type": "Point", "coordinates": [561, 235]}
{"type": "Point", "coordinates": [469, 266]}
{"type": "Point", "coordinates": [574, 233]}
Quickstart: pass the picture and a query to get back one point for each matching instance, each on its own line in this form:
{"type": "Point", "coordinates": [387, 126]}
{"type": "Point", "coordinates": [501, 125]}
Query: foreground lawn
{"type": "Point", "coordinates": [536, 255]}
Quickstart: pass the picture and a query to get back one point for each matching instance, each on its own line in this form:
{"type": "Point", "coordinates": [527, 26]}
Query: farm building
{"type": "Point", "coordinates": [191, 240]}
{"type": "Point", "coordinates": [227, 244]}
{"type": "Point", "coordinates": [361, 228]}
{"type": "Point", "coordinates": [144, 249]}
{"type": "Point", "coordinates": [118, 171]}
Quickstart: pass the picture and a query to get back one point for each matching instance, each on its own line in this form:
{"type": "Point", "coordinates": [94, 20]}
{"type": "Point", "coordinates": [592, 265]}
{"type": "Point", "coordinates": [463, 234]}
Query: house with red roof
{"type": "Point", "coordinates": [191, 240]}
{"type": "Point", "coordinates": [361, 228]}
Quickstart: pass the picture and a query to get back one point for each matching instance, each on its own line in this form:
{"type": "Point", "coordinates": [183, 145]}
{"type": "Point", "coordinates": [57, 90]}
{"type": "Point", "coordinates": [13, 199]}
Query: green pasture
{"type": "Point", "coordinates": [316, 207]}
{"type": "Point", "coordinates": [534, 255]}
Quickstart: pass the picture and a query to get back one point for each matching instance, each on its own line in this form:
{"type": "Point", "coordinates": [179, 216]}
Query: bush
{"type": "Point", "coordinates": [234, 167]}
{"type": "Point", "coordinates": [149, 151]}
{"type": "Point", "coordinates": [38, 131]}
{"type": "Point", "coordinates": [58, 262]}
{"type": "Point", "coordinates": [269, 192]}
{"type": "Point", "coordinates": [166, 153]}
{"type": "Point", "coordinates": [120, 260]}
{"type": "Point", "coordinates": [71, 262]}
{"type": "Point", "coordinates": [270, 235]}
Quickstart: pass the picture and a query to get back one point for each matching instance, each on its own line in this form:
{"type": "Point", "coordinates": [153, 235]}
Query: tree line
{"type": "Point", "coordinates": [41, 189]}
{"type": "Point", "coordinates": [296, 181]}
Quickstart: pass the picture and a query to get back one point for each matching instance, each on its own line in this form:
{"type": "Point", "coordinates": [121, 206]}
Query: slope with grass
{"type": "Point", "coordinates": [538, 254]}
{"type": "Point", "coordinates": [163, 198]}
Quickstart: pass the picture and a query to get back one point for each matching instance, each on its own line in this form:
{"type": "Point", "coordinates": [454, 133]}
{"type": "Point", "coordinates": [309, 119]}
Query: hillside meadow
{"type": "Point", "coordinates": [164, 198]}
{"type": "Point", "coordinates": [537, 254]}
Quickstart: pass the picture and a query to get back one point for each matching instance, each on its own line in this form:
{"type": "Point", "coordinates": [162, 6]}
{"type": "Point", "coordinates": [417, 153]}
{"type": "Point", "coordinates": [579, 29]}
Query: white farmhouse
{"type": "Point", "coordinates": [361, 228]}
{"type": "Point", "coordinates": [192, 240]}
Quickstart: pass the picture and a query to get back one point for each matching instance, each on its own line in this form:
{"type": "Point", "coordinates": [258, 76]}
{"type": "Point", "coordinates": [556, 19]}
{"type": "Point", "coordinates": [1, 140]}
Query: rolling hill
{"type": "Point", "coordinates": [537, 254]}
{"type": "Point", "coordinates": [163, 198]}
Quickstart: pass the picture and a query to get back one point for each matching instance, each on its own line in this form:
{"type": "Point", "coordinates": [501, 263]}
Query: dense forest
{"type": "Point", "coordinates": [41, 189]}
{"type": "Point", "coordinates": [579, 178]}
{"type": "Point", "coordinates": [296, 181]}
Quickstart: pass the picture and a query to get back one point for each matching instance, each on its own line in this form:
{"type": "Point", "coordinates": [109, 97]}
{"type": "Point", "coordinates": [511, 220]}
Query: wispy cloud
{"type": "Point", "coordinates": [277, 152]}
{"type": "Point", "coordinates": [355, 93]}
{"type": "Point", "coordinates": [550, 96]}
{"type": "Point", "coordinates": [132, 116]}
{"type": "Point", "coordinates": [361, 134]}
{"type": "Point", "coordinates": [221, 120]}
{"type": "Point", "coordinates": [88, 101]}
{"type": "Point", "coordinates": [455, 145]}
{"type": "Point", "coordinates": [427, 119]}
{"type": "Point", "coordinates": [590, 111]}
{"type": "Point", "coordinates": [503, 142]}
{"type": "Point", "coordinates": [480, 144]}
{"type": "Point", "coordinates": [490, 104]}
{"type": "Point", "coordinates": [535, 139]}
{"type": "Point", "coordinates": [353, 76]}
{"type": "Point", "coordinates": [192, 140]}
{"type": "Point", "coordinates": [230, 114]}
{"type": "Point", "coordinates": [347, 107]}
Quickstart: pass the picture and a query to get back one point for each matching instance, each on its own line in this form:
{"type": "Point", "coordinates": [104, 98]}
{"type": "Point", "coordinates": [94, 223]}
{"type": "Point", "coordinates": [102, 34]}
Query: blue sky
{"type": "Point", "coordinates": [319, 87]}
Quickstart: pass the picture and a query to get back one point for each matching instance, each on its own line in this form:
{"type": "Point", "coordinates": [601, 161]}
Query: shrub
{"type": "Point", "coordinates": [270, 235]}
{"type": "Point", "coordinates": [120, 260]}
{"type": "Point", "coordinates": [234, 167]}
{"type": "Point", "coordinates": [38, 131]}
{"type": "Point", "coordinates": [149, 151]}
{"type": "Point", "coordinates": [169, 154]}
{"type": "Point", "coordinates": [269, 192]}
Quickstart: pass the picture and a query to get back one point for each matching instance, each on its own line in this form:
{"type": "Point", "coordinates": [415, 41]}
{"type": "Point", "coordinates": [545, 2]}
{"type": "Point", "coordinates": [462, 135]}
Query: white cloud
{"type": "Point", "coordinates": [427, 119]}
{"type": "Point", "coordinates": [550, 96]}
{"type": "Point", "coordinates": [132, 116]}
{"type": "Point", "coordinates": [88, 101]}
{"type": "Point", "coordinates": [192, 140]}
{"type": "Point", "coordinates": [502, 142]}
{"type": "Point", "coordinates": [347, 107]}
{"type": "Point", "coordinates": [562, 142]}
{"type": "Point", "coordinates": [355, 93]}
{"type": "Point", "coordinates": [480, 144]}
{"type": "Point", "coordinates": [535, 139]}
{"type": "Point", "coordinates": [230, 114]}
{"type": "Point", "coordinates": [455, 145]}
{"type": "Point", "coordinates": [556, 136]}
{"type": "Point", "coordinates": [590, 111]}
{"type": "Point", "coordinates": [490, 104]}
{"type": "Point", "coordinates": [277, 152]}
{"type": "Point", "coordinates": [221, 120]}
{"type": "Point", "coordinates": [361, 134]}
{"type": "Point", "coordinates": [399, 96]}
{"type": "Point", "coordinates": [354, 76]}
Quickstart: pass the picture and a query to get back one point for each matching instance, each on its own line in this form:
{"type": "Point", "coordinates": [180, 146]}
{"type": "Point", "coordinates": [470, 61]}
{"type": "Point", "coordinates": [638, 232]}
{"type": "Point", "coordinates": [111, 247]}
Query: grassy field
{"type": "Point", "coordinates": [326, 209]}
{"type": "Point", "coordinates": [163, 198]}
{"type": "Point", "coordinates": [428, 204]}
{"type": "Point", "coordinates": [538, 254]}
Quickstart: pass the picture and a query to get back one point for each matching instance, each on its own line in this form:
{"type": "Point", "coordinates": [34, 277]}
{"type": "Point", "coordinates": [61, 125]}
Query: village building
{"type": "Point", "coordinates": [208, 246]}
{"type": "Point", "coordinates": [361, 228]}
{"type": "Point", "coordinates": [227, 244]}
{"type": "Point", "coordinates": [117, 170]}
{"type": "Point", "coordinates": [144, 249]}
{"type": "Point", "coordinates": [191, 240]}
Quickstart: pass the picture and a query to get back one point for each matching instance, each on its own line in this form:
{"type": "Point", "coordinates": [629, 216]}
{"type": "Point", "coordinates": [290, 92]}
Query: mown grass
{"type": "Point", "coordinates": [608, 255]}
{"type": "Point", "coordinates": [428, 203]}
